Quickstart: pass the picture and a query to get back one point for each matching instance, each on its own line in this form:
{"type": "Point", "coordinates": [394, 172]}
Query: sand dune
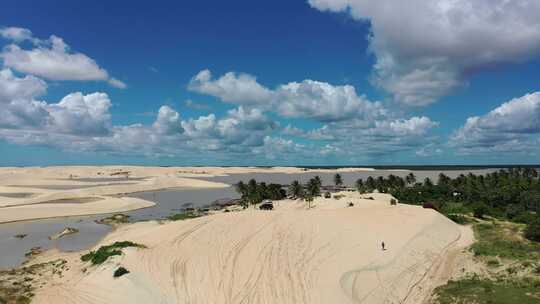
{"type": "Point", "coordinates": [327, 254]}
{"type": "Point", "coordinates": [48, 186]}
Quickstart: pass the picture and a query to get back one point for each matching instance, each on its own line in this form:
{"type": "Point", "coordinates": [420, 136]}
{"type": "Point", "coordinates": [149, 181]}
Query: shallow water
{"type": "Point", "coordinates": [16, 194]}
{"type": "Point", "coordinates": [12, 249]}
{"type": "Point", "coordinates": [65, 187]}
{"type": "Point", "coordinates": [168, 202]}
{"type": "Point", "coordinates": [349, 178]}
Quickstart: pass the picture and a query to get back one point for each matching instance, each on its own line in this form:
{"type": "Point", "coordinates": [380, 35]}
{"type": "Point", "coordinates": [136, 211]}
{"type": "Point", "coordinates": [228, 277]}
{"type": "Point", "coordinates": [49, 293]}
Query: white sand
{"type": "Point", "coordinates": [35, 180]}
{"type": "Point", "coordinates": [327, 254]}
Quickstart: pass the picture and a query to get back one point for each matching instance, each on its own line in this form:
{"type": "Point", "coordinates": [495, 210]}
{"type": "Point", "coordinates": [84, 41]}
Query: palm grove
{"type": "Point", "coordinates": [512, 194]}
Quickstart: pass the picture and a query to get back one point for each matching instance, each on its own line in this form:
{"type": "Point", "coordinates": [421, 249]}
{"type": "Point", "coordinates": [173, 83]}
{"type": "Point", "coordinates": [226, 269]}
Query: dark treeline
{"type": "Point", "coordinates": [512, 194]}
{"type": "Point", "coordinates": [254, 193]}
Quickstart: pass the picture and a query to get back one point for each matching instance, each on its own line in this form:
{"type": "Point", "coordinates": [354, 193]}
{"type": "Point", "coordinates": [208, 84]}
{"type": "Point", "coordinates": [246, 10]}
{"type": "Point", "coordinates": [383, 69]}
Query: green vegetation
{"type": "Point", "coordinates": [120, 272]}
{"type": "Point", "coordinates": [338, 181]}
{"type": "Point", "coordinates": [484, 291]}
{"type": "Point", "coordinates": [104, 252]}
{"type": "Point", "coordinates": [296, 190]}
{"type": "Point", "coordinates": [512, 194]}
{"type": "Point", "coordinates": [183, 216]}
{"type": "Point", "coordinates": [254, 193]}
{"type": "Point", "coordinates": [503, 240]}
{"type": "Point", "coordinates": [532, 232]}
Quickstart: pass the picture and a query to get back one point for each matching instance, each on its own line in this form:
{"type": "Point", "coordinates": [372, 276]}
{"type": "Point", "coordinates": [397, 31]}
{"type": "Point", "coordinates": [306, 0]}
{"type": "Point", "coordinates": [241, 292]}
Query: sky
{"type": "Point", "coordinates": [296, 82]}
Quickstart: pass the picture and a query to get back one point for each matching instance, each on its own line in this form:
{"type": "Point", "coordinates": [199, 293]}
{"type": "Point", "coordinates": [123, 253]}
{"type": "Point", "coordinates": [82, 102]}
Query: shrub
{"type": "Point", "coordinates": [120, 272]}
{"type": "Point", "coordinates": [532, 232]}
{"type": "Point", "coordinates": [458, 218]}
{"type": "Point", "coordinates": [429, 206]}
{"type": "Point", "coordinates": [104, 252]}
{"type": "Point", "coordinates": [182, 216]}
{"type": "Point", "coordinates": [479, 210]}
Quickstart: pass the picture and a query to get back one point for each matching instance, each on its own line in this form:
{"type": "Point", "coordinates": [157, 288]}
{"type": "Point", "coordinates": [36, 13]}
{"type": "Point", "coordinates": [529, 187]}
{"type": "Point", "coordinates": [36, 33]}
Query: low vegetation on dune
{"type": "Point", "coordinates": [504, 240]}
{"type": "Point", "coordinates": [104, 252]}
{"type": "Point", "coordinates": [510, 271]}
{"type": "Point", "coordinates": [183, 216]}
{"type": "Point", "coordinates": [484, 291]}
{"type": "Point", "coordinates": [17, 286]}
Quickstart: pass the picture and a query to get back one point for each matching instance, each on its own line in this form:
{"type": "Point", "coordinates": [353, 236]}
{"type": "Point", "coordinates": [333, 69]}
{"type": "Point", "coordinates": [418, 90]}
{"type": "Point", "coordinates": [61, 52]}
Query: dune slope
{"type": "Point", "coordinates": [327, 254]}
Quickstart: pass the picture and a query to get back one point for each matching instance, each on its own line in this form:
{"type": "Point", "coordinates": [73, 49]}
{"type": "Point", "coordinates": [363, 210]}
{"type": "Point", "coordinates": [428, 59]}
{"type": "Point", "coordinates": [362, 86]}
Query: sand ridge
{"type": "Point", "coordinates": [329, 253]}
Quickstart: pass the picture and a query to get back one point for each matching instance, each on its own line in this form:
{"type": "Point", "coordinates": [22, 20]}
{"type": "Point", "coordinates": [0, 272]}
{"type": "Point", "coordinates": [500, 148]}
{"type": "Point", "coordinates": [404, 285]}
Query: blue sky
{"type": "Point", "coordinates": [319, 82]}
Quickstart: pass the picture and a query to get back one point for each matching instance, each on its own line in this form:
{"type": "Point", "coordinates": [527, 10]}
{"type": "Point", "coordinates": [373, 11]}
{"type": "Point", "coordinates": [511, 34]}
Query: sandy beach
{"type": "Point", "coordinates": [330, 253]}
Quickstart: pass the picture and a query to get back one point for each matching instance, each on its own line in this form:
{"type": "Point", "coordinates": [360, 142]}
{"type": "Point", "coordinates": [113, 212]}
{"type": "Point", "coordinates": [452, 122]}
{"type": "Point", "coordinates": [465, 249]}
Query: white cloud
{"type": "Point", "coordinates": [310, 99]}
{"type": "Point", "coordinates": [52, 59]}
{"type": "Point", "coordinates": [81, 114]}
{"type": "Point", "coordinates": [12, 87]}
{"type": "Point", "coordinates": [323, 102]}
{"type": "Point", "coordinates": [168, 121]}
{"type": "Point", "coordinates": [117, 83]}
{"type": "Point", "coordinates": [425, 49]}
{"type": "Point", "coordinates": [516, 122]}
{"type": "Point", "coordinates": [231, 87]}
{"type": "Point", "coordinates": [275, 147]}
{"type": "Point", "coordinates": [16, 34]}
{"type": "Point", "coordinates": [196, 105]}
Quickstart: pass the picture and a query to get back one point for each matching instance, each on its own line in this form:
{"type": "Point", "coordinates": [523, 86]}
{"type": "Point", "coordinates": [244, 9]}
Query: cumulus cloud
{"type": "Point", "coordinates": [81, 114]}
{"type": "Point", "coordinates": [275, 147]}
{"type": "Point", "coordinates": [12, 87]}
{"type": "Point", "coordinates": [323, 102]}
{"type": "Point", "coordinates": [17, 34]}
{"type": "Point", "coordinates": [514, 123]}
{"type": "Point", "coordinates": [231, 87]}
{"type": "Point", "coordinates": [310, 99]}
{"type": "Point", "coordinates": [168, 121]}
{"type": "Point", "coordinates": [426, 49]}
{"type": "Point", "coordinates": [52, 59]}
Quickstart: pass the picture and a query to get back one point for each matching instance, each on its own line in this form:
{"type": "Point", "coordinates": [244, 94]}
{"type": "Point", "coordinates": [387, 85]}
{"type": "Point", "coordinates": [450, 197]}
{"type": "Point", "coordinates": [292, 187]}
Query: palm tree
{"type": "Point", "coordinates": [428, 182]}
{"type": "Point", "coordinates": [360, 185]}
{"type": "Point", "coordinates": [410, 179]}
{"type": "Point", "coordinates": [337, 180]}
{"type": "Point", "coordinates": [296, 190]}
{"type": "Point", "coordinates": [241, 188]}
{"type": "Point", "coordinates": [370, 183]}
{"type": "Point", "coordinates": [313, 188]}
{"type": "Point", "coordinates": [318, 180]}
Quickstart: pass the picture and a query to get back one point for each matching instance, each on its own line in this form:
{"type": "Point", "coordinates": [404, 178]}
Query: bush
{"type": "Point", "coordinates": [104, 252]}
{"type": "Point", "coordinates": [479, 210]}
{"type": "Point", "coordinates": [120, 272]}
{"type": "Point", "coordinates": [532, 232]}
{"type": "Point", "coordinates": [458, 218]}
{"type": "Point", "coordinates": [182, 216]}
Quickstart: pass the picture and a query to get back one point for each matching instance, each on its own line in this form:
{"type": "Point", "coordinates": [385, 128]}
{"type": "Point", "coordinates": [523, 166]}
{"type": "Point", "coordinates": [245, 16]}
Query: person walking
{"type": "Point", "coordinates": [382, 245]}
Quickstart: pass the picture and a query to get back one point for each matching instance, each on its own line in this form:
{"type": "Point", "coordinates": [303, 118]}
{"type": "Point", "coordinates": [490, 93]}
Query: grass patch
{"type": "Point", "coordinates": [484, 291]}
{"type": "Point", "coordinates": [504, 241]}
{"type": "Point", "coordinates": [182, 216]}
{"type": "Point", "coordinates": [459, 219]}
{"type": "Point", "coordinates": [104, 252]}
